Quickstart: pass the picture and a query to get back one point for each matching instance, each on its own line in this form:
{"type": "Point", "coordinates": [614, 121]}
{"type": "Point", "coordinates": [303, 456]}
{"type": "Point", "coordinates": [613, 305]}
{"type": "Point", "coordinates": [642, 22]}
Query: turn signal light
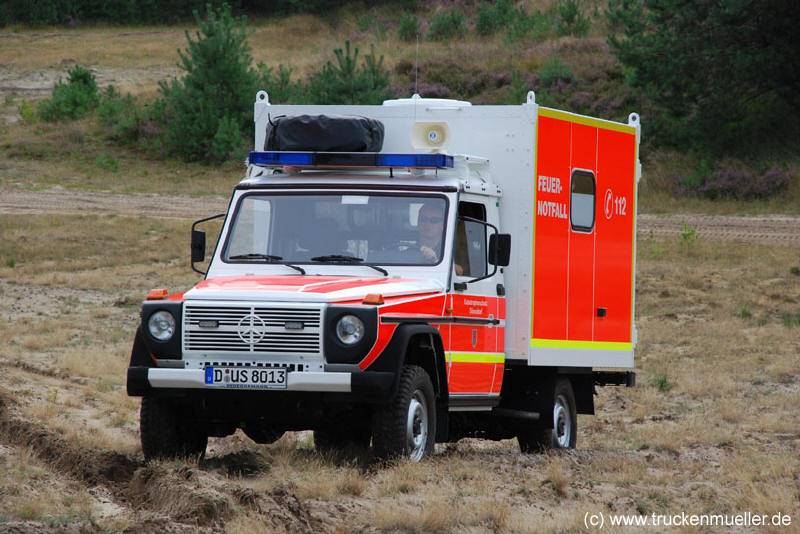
{"type": "Point", "coordinates": [373, 298]}
{"type": "Point", "coordinates": [158, 294]}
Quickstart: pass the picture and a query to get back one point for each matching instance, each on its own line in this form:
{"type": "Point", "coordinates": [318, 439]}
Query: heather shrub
{"type": "Point", "coordinates": [72, 99]}
{"type": "Point", "coordinates": [733, 179]}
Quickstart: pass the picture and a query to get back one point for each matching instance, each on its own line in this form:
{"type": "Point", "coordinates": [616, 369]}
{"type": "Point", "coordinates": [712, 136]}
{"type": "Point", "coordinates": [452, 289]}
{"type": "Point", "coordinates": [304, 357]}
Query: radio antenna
{"type": "Point", "coordinates": [416, 67]}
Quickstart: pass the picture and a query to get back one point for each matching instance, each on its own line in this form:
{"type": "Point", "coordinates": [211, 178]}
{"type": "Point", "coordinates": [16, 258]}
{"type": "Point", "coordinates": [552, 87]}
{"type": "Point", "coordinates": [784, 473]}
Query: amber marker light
{"type": "Point", "coordinates": [373, 298]}
{"type": "Point", "coordinates": [158, 294]}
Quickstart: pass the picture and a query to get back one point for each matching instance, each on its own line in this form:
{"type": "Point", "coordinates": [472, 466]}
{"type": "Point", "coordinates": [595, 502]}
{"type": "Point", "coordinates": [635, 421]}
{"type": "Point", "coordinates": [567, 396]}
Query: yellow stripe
{"type": "Point", "coordinates": [588, 121]}
{"type": "Point", "coordinates": [476, 357]}
{"type": "Point", "coordinates": [569, 344]}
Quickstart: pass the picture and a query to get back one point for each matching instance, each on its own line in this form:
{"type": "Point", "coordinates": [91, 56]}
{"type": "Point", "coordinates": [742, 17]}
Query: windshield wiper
{"type": "Point", "coordinates": [341, 258]}
{"type": "Point", "coordinates": [268, 258]}
{"type": "Point", "coordinates": [255, 256]}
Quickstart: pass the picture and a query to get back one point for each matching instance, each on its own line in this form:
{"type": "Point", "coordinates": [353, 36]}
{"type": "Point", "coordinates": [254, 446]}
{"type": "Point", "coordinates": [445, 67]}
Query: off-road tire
{"type": "Point", "coordinates": [165, 434]}
{"type": "Point", "coordinates": [389, 421]}
{"type": "Point", "coordinates": [536, 438]}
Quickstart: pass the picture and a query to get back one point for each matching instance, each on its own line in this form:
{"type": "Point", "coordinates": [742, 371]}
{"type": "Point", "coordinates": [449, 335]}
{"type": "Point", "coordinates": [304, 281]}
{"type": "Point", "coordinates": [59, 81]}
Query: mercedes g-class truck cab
{"type": "Point", "coordinates": [401, 275]}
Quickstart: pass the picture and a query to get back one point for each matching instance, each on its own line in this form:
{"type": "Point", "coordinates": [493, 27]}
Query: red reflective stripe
{"type": "Point", "coordinates": [385, 333]}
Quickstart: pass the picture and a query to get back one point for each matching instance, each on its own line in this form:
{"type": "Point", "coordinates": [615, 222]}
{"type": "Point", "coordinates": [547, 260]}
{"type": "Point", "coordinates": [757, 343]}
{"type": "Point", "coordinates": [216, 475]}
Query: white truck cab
{"type": "Point", "coordinates": [387, 297]}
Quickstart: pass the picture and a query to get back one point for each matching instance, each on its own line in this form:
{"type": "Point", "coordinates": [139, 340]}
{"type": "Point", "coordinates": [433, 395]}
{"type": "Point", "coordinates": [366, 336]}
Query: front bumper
{"type": "Point", "coordinates": [367, 385]}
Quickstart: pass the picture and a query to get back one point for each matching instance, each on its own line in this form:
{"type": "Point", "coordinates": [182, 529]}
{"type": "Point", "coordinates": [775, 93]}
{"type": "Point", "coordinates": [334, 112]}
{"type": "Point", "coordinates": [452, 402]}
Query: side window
{"type": "Point", "coordinates": [470, 244]}
{"type": "Point", "coordinates": [582, 201]}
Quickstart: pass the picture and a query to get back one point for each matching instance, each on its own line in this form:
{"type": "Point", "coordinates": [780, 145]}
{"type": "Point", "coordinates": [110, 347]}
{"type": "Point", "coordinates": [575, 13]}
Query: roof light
{"type": "Point", "coordinates": [281, 158]}
{"type": "Point", "coordinates": [351, 159]}
{"type": "Point", "coordinates": [434, 161]}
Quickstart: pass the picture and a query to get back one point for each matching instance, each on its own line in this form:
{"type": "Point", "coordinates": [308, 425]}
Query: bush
{"type": "Point", "coordinates": [517, 23]}
{"type": "Point", "coordinates": [348, 81]}
{"type": "Point", "coordinates": [570, 20]}
{"type": "Point", "coordinates": [107, 162]}
{"type": "Point", "coordinates": [408, 29]}
{"type": "Point", "coordinates": [492, 17]}
{"type": "Point", "coordinates": [27, 111]}
{"type": "Point", "coordinates": [554, 70]}
{"type": "Point", "coordinates": [280, 86]}
{"type": "Point", "coordinates": [216, 91]}
{"type": "Point", "coordinates": [523, 26]}
{"type": "Point", "coordinates": [447, 24]}
{"type": "Point", "coordinates": [121, 115]}
{"type": "Point", "coordinates": [73, 99]}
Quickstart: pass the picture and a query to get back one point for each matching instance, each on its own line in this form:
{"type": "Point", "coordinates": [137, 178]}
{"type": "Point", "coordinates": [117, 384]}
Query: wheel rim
{"type": "Point", "coordinates": [417, 426]}
{"type": "Point", "coordinates": [562, 423]}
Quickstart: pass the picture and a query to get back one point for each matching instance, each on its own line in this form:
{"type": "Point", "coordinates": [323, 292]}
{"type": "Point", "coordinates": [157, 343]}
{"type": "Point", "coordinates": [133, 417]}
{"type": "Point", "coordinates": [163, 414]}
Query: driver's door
{"type": "Point", "coordinates": [474, 353]}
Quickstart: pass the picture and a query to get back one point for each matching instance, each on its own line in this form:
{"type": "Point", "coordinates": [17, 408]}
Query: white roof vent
{"type": "Point", "coordinates": [417, 100]}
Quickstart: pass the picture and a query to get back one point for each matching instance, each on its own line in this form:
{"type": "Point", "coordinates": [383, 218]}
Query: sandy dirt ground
{"type": "Point", "coordinates": [772, 229]}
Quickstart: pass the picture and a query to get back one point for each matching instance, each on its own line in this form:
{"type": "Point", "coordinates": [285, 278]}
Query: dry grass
{"type": "Point", "coordinates": [31, 491]}
{"type": "Point", "coordinates": [32, 152]}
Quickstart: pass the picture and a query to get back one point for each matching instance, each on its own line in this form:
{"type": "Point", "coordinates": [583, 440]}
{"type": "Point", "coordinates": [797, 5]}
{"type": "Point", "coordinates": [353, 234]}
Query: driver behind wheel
{"type": "Point", "coordinates": [430, 224]}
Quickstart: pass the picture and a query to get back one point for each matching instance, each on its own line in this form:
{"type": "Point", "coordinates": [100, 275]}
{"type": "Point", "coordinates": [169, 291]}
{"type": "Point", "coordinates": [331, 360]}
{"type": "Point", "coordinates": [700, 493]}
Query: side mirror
{"type": "Point", "coordinates": [198, 246]}
{"type": "Point", "coordinates": [500, 249]}
{"type": "Point", "coordinates": [199, 242]}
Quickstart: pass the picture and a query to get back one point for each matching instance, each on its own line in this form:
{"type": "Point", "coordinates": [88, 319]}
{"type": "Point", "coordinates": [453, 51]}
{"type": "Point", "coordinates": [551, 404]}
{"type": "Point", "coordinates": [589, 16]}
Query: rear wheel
{"type": "Point", "coordinates": [405, 427]}
{"type": "Point", "coordinates": [564, 431]}
{"type": "Point", "coordinates": [165, 433]}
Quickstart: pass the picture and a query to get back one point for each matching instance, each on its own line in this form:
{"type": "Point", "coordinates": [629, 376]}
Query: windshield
{"type": "Point", "coordinates": [383, 229]}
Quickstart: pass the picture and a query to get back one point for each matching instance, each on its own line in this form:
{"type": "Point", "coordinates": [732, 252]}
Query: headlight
{"type": "Point", "coordinates": [350, 330]}
{"type": "Point", "coordinates": [161, 325]}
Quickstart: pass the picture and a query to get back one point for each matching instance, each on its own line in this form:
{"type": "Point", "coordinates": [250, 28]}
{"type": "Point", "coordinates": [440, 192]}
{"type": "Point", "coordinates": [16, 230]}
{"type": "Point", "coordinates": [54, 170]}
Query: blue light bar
{"type": "Point", "coordinates": [429, 161]}
{"type": "Point", "coordinates": [351, 159]}
{"type": "Point", "coordinates": [281, 158]}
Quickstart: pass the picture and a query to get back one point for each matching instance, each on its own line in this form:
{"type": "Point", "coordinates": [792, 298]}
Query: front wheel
{"type": "Point", "coordinates": [405, 427]}
{"type": "Point", "coordinates": [564, 431]}
{"type": "Point", "coordinates": [165, 433]}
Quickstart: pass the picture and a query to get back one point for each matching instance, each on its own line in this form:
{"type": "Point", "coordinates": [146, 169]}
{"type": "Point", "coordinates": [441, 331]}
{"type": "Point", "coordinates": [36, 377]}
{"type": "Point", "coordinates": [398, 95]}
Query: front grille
{"type": "Point", "coordinates": [251, 329]}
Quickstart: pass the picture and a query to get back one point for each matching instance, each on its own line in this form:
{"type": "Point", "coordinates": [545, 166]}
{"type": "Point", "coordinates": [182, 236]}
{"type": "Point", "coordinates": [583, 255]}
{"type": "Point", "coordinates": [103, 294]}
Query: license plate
{"type": "Point", "coordinates": [246, 377]}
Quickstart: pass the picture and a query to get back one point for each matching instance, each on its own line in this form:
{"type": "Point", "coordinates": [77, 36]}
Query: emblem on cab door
{"type": "Point", "coordinates": [251, 329]}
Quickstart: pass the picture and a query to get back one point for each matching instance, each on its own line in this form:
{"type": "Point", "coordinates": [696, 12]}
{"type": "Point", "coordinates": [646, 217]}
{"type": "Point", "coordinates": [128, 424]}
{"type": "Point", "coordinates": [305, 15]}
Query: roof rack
{"type": "Point", "coordinates": [322, 160]}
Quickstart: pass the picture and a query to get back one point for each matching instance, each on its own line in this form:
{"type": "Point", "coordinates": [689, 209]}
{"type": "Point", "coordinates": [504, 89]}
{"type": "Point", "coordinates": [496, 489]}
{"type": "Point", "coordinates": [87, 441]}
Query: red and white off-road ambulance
{"type": "Point", "coordinates": [472, 276]}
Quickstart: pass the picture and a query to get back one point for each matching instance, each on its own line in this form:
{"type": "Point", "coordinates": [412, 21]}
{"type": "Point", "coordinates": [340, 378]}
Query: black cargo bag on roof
{"type": "Point", "coordinates": [324, 133]}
